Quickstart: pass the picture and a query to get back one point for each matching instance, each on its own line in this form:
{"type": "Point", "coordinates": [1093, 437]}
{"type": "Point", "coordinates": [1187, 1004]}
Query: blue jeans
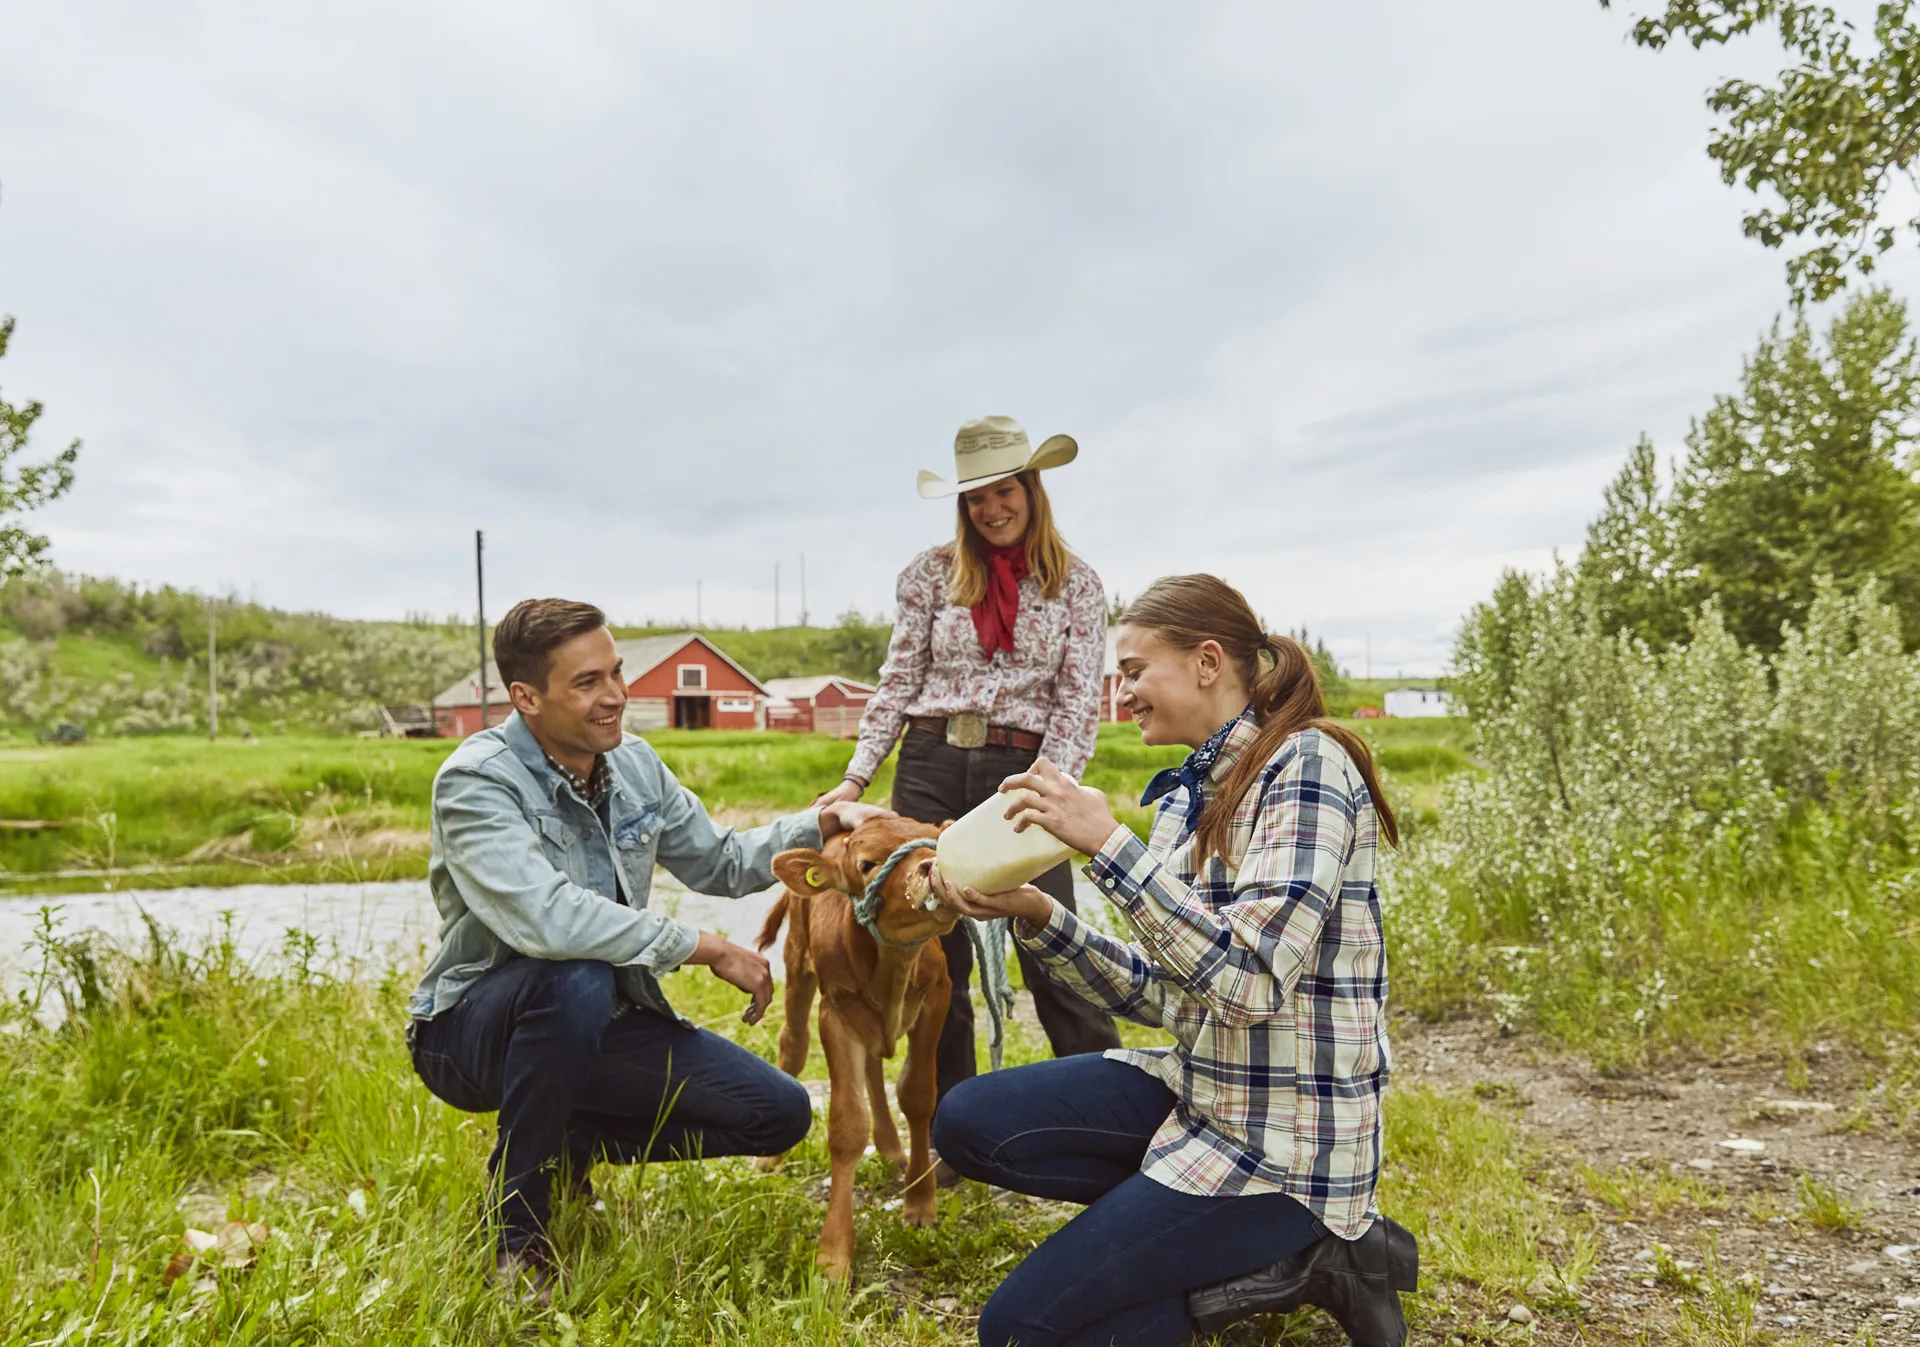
{"type": "Point", "coordinates": [1075, 1130]}
{"type": "Point", "coordinates": [538, 1040]}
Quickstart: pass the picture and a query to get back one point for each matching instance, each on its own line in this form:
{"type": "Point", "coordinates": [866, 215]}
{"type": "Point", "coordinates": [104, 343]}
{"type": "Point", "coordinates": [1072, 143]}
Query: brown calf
{"type": "Point", "coordinates": [872, 992]}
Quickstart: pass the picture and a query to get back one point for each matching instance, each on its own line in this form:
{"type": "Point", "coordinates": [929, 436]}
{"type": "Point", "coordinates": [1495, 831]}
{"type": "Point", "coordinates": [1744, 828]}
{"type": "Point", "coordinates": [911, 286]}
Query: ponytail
{"type": "Point", "coordinates": [1282, 686]}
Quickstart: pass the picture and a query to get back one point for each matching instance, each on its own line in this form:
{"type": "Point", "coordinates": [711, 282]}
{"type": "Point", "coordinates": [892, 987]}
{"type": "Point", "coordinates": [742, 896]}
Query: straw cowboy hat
{"type": "Point", "coordinates": [991, 448]}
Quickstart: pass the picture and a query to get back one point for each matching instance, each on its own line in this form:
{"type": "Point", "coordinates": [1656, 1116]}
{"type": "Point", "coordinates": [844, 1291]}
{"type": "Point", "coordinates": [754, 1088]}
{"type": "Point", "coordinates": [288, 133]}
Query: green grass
{"type": "Point", "coordinates": [1691, 951]}
{"type": "Point", "coordinates": [192, 1090]}
{"type": "Point", "coordinates": [304, 808]}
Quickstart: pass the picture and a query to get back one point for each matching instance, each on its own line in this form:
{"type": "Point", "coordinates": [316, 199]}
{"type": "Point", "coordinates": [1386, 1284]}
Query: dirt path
{"type": "Point", "coordinates": [1748, 1219]}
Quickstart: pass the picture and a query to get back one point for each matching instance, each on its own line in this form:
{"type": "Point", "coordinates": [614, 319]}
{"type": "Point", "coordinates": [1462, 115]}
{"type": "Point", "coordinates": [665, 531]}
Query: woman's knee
{"type": "Point", "coordinates": [1006, 1320]}
{"type": "Point", "coordinates": [963, 1127]}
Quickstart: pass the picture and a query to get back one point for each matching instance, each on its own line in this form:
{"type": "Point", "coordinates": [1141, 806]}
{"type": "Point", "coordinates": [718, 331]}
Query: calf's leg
{"type": "Point", "coordinates": [886, 1138]}
{"type": "Point", "coordinates": [918, 1091]}
{"type": "Point", "coordinates": [798, 1001]}
{"type": "Point", "coordinates": [847, 1132]}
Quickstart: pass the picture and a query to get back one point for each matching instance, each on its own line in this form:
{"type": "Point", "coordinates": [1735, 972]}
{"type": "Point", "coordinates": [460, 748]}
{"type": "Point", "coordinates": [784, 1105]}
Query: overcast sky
{"type": "Point", "coordinates": [1353, 305]}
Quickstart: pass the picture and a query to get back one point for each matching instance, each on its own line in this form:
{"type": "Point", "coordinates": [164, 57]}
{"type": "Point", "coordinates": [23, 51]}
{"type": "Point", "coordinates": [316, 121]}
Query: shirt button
{"type": "Point", "coordinates": [645, 838]}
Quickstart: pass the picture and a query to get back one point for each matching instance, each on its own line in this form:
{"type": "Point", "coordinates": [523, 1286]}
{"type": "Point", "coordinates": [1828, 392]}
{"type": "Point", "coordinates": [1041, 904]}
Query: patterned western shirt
{"type": "Point", "coordinates": [593, 789]}
{"type": "Point", "coordinates": [1270, 974]}
{"type": "Point", "coordinates": [1049, 685]}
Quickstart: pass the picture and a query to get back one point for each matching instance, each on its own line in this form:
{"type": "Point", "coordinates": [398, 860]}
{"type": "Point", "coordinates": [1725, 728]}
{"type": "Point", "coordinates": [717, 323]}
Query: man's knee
{"type": "Point", "coordinates": [783, 1121]}
{"type": "Point", "coordinates": [960, 1128]}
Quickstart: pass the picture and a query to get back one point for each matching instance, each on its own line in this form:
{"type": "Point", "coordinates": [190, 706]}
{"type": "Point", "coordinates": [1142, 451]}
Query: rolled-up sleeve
{"type": "Point", "coordinates": [493, 854]}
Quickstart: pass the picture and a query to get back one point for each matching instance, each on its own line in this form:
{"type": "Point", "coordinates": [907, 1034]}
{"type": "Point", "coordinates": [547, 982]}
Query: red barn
{"type": "Point", "coordinates": [682, 681]}
{"type": "Point", "coordinates": [1110, 707]}
{"type": "Point", "coordinates": [822, 703]}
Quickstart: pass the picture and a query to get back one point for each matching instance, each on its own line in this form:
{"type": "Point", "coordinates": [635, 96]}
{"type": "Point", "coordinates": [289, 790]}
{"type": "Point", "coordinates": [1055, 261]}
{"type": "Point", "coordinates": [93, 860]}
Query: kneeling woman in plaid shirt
{"type": "Point", "coordinates": [1233, 1173]}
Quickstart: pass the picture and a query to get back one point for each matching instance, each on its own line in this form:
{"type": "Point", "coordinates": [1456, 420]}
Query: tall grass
{"type": "Point", "coordinates": [185, 1090]}
{"type": "Point", "coordinates": [1679, 849]}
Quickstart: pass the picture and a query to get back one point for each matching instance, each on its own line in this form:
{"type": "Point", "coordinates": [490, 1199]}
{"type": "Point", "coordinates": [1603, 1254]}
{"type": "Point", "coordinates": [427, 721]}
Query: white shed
{"type": "Point", "coordinates": [1414, 702]}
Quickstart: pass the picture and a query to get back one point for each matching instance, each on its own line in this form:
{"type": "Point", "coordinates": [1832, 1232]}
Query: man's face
{"type": "Point", "coordinates": [579, 710]}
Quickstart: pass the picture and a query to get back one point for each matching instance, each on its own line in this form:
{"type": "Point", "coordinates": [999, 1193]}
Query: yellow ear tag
{"type": "Point", "coordinates": [815, 878]}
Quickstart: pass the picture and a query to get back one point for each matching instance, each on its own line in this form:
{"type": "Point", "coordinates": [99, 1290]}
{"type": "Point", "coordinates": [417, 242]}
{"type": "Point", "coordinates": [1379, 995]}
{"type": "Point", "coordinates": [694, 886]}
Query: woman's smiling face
{"type": "Point", "coordinates": [999, 512]}
{"type": "Point", "coordinates": [1160, 685]}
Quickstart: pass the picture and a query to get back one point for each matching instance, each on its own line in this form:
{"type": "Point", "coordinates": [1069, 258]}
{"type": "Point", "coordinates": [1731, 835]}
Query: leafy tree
{"type": "Point", "coordinates": [1495, 644]}
{"type": "Point", "coordinates": [1628, 572]}
{"type": "Point", "coordinates": [25, 486]}
{"type": "Point", "coordinates": [1807, 471]}
{"type": "Point", "coordinates": [1830, 138]}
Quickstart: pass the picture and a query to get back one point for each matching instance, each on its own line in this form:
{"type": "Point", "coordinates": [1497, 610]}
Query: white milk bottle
{"type": "Point", "coordinates": [981, 851]}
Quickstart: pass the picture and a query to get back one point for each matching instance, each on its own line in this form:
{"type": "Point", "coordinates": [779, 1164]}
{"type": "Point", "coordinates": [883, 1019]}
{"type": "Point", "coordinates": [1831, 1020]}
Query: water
{"type": "Point", "coordinates": [371, 926]}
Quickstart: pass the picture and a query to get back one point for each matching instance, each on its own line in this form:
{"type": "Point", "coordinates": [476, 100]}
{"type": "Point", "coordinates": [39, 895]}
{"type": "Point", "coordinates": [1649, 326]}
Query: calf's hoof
{"type": "Point", "coordinates": [838, 1266]}
{"type": "Point", "coordinates": [920, 1214]}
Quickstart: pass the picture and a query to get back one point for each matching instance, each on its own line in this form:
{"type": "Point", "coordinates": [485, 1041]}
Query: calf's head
{"type": "Point", "coordinates": [907, 912]}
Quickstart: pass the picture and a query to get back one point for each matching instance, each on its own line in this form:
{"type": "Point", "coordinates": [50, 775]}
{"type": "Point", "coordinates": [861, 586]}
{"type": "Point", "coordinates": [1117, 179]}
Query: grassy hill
{"type": "Point", "coordinates": [117, 658]}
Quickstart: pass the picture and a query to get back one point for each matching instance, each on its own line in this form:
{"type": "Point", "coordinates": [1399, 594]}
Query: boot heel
{"type": "Point", "coordinates": [1403, 1257]}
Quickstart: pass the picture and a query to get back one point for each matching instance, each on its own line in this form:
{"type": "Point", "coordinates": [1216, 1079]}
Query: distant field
{"type": "Point", "coordinates": [167, 811]}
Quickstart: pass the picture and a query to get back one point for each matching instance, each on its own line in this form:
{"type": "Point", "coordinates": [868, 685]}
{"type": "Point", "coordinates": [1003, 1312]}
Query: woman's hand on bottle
{"type": "Point", "coordinates": [847, 791]}
{"type": "Point", "coordinates": [1025, 902]}
{"type": "Point", "coordinates": [1078, 815]}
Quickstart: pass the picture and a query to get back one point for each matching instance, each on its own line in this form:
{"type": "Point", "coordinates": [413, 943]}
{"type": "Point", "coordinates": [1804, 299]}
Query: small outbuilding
{"type": "Point", "coordinates": [682, 681]}
{"type": "Point", "coordinates": [818, 704]}
{"type": "Point", "coordinates": [1110, 707]}
{"type": "Point", "coordinates": [1412, 703]}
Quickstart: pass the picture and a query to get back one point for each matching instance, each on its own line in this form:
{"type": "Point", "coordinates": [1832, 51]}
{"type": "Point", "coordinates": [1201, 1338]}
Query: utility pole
{"type": "Point", "coordinates": [776, 593]}
{"type": "Point", "coordinates": [698, 619]}
{"type": "Point", "coordinates": [1369, 657]}
{"type": "Point", "coordinates": [213, 695]}
{"type": "Point", "coordinates": [480, 608]}
{"type": "Point", "coordinates": [803, 589]}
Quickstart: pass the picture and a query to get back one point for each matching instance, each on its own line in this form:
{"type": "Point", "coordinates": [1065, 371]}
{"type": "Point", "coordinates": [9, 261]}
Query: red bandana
{"type": "Point", "coordinates": [994, 615]}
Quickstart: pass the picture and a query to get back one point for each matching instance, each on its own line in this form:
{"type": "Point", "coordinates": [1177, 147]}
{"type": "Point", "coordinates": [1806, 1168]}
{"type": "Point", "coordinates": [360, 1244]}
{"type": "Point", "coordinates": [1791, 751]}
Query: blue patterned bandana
{"type": "Point", "coordinates": [1196, 769]}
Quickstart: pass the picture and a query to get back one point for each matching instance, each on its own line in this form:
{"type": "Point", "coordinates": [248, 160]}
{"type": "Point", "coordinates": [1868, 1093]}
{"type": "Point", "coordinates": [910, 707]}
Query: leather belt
{"type": "Point", "coordinates": [998, 736]}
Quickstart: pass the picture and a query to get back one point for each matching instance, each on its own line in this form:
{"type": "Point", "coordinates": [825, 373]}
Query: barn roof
{"type": "Point", "coordinates": [639, 657]}
{"type": "Point", "coordinates": [812, 685]}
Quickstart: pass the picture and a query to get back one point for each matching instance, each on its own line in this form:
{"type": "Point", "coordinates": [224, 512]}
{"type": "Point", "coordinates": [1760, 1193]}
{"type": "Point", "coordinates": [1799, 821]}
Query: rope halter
{"type": "Point", "coordinates": [989, 943]}
{"type": "Point", "coordinates": [866, 908]}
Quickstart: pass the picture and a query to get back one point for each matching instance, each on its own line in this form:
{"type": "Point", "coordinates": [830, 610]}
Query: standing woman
{"type": "Point", "coordinates": [998, 648]}
{"type": "Point", "coordinates": [1232, 1173]}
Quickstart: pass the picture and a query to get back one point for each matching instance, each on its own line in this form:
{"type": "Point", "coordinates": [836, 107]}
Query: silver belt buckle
{"type": "Point", "coordinates": [967, 730]}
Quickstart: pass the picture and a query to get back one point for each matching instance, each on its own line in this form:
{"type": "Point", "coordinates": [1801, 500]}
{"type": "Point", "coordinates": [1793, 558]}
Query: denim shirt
{"type": "Point", "coordinates": [523, 866]}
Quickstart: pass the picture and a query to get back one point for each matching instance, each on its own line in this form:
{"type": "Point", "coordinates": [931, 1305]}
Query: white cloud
{"type": "Point", "coordinates": [1355, 309]}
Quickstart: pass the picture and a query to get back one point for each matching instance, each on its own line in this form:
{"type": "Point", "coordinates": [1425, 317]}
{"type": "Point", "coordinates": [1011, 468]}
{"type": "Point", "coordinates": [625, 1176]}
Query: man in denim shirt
{"type": "Point", "coordinates": [543, 1000]}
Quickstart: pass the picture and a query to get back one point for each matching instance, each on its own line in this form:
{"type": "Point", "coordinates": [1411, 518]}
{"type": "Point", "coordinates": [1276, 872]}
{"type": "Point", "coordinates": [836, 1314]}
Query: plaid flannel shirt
{"type": "Point", "coordinates": [1271, 976]}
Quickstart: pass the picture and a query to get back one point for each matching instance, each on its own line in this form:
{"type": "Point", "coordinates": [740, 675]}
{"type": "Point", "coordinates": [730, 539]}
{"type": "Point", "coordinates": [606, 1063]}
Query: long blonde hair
{"type": "Point", "coordinates": [1048, 559]}
{"type": "Point", "coordinates": [1183, 611]}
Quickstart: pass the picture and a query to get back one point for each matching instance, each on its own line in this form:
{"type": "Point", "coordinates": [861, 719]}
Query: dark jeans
{"type": "Point", "coordinates": [934, 782]}
{"type": "Point", "coordinates": [538, 1040]}
{"type": "Point", "coordinates": [1076, 1130]}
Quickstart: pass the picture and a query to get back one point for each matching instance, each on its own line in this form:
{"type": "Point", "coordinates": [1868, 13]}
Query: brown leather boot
{"type": "Point", "coordinates": [1356, 1281]}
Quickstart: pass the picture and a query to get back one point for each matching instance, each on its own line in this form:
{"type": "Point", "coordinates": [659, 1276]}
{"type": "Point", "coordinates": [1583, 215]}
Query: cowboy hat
{"type": "Point", "coordinates": [992, 448]}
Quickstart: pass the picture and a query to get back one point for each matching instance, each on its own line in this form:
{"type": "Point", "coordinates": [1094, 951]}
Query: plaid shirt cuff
{"type": "Point", "coordinates": [1122, 868]}
{"type": "Point", "coordinates": [1056, 939]}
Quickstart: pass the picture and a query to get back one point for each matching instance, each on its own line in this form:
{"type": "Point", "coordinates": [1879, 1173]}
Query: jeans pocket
{"type": "Point", "coordinates": [442, 1075]}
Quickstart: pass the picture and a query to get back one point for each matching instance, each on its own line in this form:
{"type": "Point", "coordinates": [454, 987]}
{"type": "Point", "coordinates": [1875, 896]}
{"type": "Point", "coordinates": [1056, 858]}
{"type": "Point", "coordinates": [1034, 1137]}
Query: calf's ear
{"type": "Point", "coordinates": [803, 870]}
{"type": "Point", "coordinates": [944, 826]}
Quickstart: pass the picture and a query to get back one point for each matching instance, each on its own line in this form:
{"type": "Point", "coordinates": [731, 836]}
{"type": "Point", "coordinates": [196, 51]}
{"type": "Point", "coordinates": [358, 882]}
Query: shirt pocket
{"type": "Point", "coordinates": [557, 839]}
{"type": "Point", "coordinates": [636, 840]}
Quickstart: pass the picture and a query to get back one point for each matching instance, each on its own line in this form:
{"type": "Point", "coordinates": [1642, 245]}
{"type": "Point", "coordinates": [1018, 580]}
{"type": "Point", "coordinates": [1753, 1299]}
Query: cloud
{"type": "Point", "coordinates": [1355, 310]}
